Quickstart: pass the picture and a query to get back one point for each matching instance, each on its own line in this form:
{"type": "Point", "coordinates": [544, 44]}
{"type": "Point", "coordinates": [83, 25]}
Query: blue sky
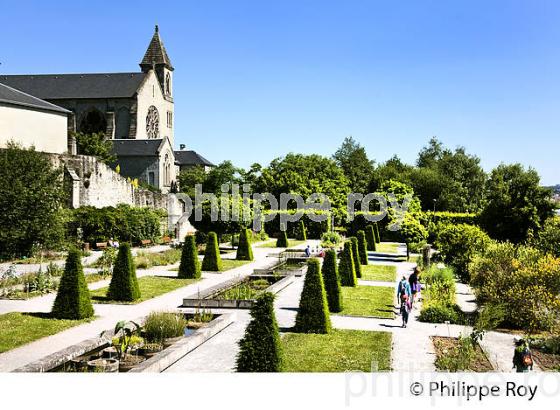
{"type": "Point", "coordinates": [255, 80]}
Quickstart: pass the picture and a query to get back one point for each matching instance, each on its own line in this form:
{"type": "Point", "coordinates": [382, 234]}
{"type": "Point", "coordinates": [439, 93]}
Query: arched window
{"type": "Point", "coordinates": [166, 171]}
{"type": "Point", "coordinates": [168, 84]}
{"type": "Point", "coordinates": [93, 122]}
{"type": "Point", "coordinates": [152, 122]}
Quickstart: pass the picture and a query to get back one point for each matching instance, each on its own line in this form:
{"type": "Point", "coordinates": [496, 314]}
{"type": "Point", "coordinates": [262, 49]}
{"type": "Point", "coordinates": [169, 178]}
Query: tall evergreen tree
{"type": "Point", "coordinates": [370, 238]}
{"type": "Point", "coordinates": [260, 349]}
{"type": "Point", "coordinates": [332, 282]}
{"type": "Point", "coordinates": [356, 257]}
{"type": "Point", "coordinates": [362, 248]}
{"type": "Point", "coordinates": [124, 283]}
{"type": "Point", "coordinates": [346, 268]}
{"type": "Point", "coordinates": [212, 259]}
{"type": "Point", "coordinates": [72, 299]}
{"type": "Point", "coordinates": [244, 249]}
{"type": "Point", "coordinates": [190, 265]}
{"type": "Point", "coordinates": [377, 236]}
{"type": "Point", "coordinates": [313, 313]}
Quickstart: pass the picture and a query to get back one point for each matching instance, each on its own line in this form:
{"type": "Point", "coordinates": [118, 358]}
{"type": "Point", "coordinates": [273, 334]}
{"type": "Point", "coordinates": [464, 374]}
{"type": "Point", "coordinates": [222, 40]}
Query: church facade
{"type": "Point", "coordinates": [134, 109]}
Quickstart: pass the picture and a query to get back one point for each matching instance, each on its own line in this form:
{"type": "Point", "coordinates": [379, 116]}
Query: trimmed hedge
{"type": "Point", "coordinates": [124, 284]}
{"type": "Point", "coordinates": [377, 236]}
{"type": "Point", "coordinates": [313, 229]}
{"type": "Point", "coordinates": [282, 241]}
{"type": "Point", "coordinates": [346, 268]}
{"type": "Point", "coordinates": [313, 313]}
{"type": "Point", "coordinates": [73, 300]}
{"type": "Point", "coordinates": [190, 265]}
{"type": "Point", "coordinates": [356, 257]}
{"type": "Point", "coordinates": [371, 238]}
{"type": "Point", "coordinates": [244, 249]}
{"type": "Point", "coordinates": [362, 248]}
{"type": "Point", "coordinates": [260, 349]}
{"type": "Point", "coordinates": [332, 282]}
{"type": "Point", "coordinates": [212, 259]}
{"type": "Point", "coordinates": [301, 232]}
{"type": "Point", "coordinates": [440, 314]}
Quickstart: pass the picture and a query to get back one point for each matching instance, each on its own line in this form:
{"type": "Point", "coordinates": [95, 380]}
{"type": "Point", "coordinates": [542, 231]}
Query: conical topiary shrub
{"type": "Point", "coordinates": [212, 259]}
{"type": "Point", "coordinates": [377, 237]}
{"type": "Point", "coordinates": [362, 248]}
{"type": "Point", "coordinates": [371, 238]}
{"type": "Point", "coordinates": [313, 313]}
{"type": "Point", "coordinates": [282, 241]}
{"type": "Point", "coordinates": [244, 250]}
{"type": "Point", "coordinates": [190, 265]}
{"type": "Point", "coordinates": [301, 232]}
{"type": "Point", "coordinates": [124, 284]}
{"type": "Point", "coordinates": [72, 299]}
{"type": "Point", "coordinates": [260, 349]}
{"type": "Point", "coordinates": [356, 257]}
{"type": "Point", "coordinates": [332, 282]}
{"type": "Point", "coordinates": [346, 268]}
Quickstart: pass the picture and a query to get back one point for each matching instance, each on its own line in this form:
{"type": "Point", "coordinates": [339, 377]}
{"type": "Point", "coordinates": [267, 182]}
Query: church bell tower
{"type": "Point", "coordinates": [156, 59]}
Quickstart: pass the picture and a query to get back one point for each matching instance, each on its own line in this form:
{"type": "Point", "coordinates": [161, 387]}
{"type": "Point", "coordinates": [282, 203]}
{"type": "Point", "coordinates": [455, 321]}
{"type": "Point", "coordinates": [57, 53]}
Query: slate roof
{"type": "Point", "coordinates": [156, 53]}
{"type": "Point", "coordinates": [137, 147]}
{"type": "Point", "coordinates": [191, 158]}
{"type": "Point", "coordinates": [74, 86]}
{"type": "Point", "coordinates": [9, 95]}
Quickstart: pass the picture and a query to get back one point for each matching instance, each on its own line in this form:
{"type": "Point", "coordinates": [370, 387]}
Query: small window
{"type": "Point", "coordinates": [169, 119]}
{"type": "Point", "coordinates": [152, 178]}
{"type": "Point", "coordinates": [168, 84]}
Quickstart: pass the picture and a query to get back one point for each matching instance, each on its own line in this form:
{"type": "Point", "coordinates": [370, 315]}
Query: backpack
{"type": "Point", "coordinates": [526, 358]}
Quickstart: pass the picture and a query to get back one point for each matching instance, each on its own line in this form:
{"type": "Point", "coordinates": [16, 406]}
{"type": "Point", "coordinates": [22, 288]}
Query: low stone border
{"type": "Point", "coordinates": [161, 361]}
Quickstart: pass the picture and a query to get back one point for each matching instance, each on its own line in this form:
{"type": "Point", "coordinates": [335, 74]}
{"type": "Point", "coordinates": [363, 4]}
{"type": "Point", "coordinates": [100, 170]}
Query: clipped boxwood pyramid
{"type": "Point", "coordinates": [301, 232]}
{"type": "Point", "coordinates": [190, 265]}
{"type": "Point", "coordinates": [362, 248]}
{"type": "Point", "coordinates": [356, 257]}
{"type": "Point", "coordinates": [313, 313]}
{"type": "Point", "coordinates": [260, 349]}
{"type": "Point", "coordinates": [346, 268]}
{"type": "Point", "coordinates": [332, 282]}
{"type": "Point", "coordinates": [72, 299]}
{"type": "Point", "coordinates": [124, 284]}
{"type": "Point", "coordinates": [377, 237]}
{"type": "Point", "coordinates": [212, 259]}
{"type": "Point", "coordinates": [282, 241]}
{"type": "Point", "coordinates": [244, 250]}
{"type": "Point", "coordinates": [371, 238]}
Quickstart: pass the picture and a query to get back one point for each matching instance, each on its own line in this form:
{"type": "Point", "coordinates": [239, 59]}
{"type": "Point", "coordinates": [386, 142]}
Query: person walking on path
{"type": "Point", "coordinates": [414, 283]}
{"type": "Point", "coordinates": [522, 357]}
{"type": "Point", "coordinates": [403, 292]}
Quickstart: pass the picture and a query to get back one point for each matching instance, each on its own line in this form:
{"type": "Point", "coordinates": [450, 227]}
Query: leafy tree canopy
{"type": "Point", "coordinates": [357, 167]}
{"type": "Point", "coordinates": [96, 145]}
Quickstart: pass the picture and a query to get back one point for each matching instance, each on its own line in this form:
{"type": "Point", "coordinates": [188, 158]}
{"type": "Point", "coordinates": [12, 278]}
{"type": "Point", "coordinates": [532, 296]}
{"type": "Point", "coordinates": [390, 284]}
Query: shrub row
{"type": "Point", "coordinates": [313, 229]}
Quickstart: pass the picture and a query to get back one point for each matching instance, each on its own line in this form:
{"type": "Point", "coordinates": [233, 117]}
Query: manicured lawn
{"type": "Point", "coordinates": [384, 247]}
{"type": "Point", "coordinates": [150, 287]}
{"type": "Point", "coordinates": [145, 260]}
{"type": "Point", "coordinates": [338, 351]}
{"type": "Point", "coordinates": [232, 264]}
{"type": "Point", "coordinates": [376, 301]}
{"type": "Point", "coordinates": [272, 243]}
{"type": "Point", "coordinates": [17, 329]}
{"type": "Point", "coordinates": [382, 273]}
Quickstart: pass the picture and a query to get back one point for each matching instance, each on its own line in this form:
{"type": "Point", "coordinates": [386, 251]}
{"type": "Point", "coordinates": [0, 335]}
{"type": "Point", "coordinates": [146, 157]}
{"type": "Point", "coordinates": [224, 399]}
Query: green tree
{"type": "Point", "coordinates": [371, 239]}
{"type": "Point", "coordinates": [96, 145]}
{"type": "Point", "coordinates": [356, 256]}
{"type": "Point", "coordinates": [346, 268]}
{"type": "Point", "coordinates": [313, 313]}
{"type": "Point", "coordinates": [212, 259]}
{"type": "Point", "coordinates": [392, 169]}
{"type": "Point", "coordinates": [412, 232]}
{"type": "Point", "coordinates": [516, 203]}
{"type": "Point", "coordinates": [362, 248]}
{"type": "Point", "coordinates": [547, 239]}
{"type": "Point", "coordinates": [31, 197]}
{"type": "Point", "coordinates": [260, 349]}
{"type": "Point", "coordinates": [73, 299]}
{"type": "Point", "coordinates": [244, 249]}
{"type": "Point", "coordinates": [357, 167]}
{"type": "Point", "coordinates": [124, 283]}
{"type": "Point", "coordinates": [332, 282]}
{"type": "Point", "coordinates": [189, 267]}
{"type": "Point", "coordinates": [191, 177]}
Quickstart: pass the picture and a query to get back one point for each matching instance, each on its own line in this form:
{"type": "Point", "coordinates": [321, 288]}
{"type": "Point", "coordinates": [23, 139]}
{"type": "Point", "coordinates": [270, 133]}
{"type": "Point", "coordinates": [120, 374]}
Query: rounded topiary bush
{"type": "Point", "coordinates": [190, 265]}
{"type": "Point", "coordinates": [332, 282]}
{"type": "Point", "coordinates": [124, 284]}
{"type": "Point", "coordinates": [313, 313]}
{"type": "Point", "coordinates": [438, 313]}
{"type": "Point", "coordinates": [356, 257]}
{"type": "Point", "coordinates": [260, 349]}
{"type": "Point", "coordinates": [346, 268]}
{"type": "Point", "coordinates": [371, 238]}
{"type": "Point", "coordinates": [212, 259]}
{"type": "Point", "coordinates": [282, 241]}
{"type": "Point", "coordinates": [301, 232]}
{"type": "Point", "coordinates": [362, 248]}
{"type": "Point", "coordinates": [244, 250]}
{"type": "Point", "coordinates": [72, 299]}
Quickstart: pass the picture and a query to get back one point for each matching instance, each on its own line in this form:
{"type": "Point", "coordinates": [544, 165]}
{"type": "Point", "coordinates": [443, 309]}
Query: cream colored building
{"type": "Point", "coordinates": [30, 121]}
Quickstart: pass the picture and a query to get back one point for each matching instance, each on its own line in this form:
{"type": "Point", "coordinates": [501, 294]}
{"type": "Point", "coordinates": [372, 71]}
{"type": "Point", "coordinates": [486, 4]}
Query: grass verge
{"type": "Point", "coordinates": [381, 273]}
{"type": "Point", "coordinates": [385, 247]}
{"type": "Point", "coordinates": [369, 301]}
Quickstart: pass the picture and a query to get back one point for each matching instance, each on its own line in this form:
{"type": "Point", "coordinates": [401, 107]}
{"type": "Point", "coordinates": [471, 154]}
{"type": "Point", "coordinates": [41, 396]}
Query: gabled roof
{"type": "Point", "coordinates": [138, 147]}
{"type": "Point", "coordinates": [191, 158]}
{"type": "Point", "coordinates": [156, 54]}
{"type": "Point", "coordinates": [9, 95]}
{"type": "Point", "coordinates": [74, 86]}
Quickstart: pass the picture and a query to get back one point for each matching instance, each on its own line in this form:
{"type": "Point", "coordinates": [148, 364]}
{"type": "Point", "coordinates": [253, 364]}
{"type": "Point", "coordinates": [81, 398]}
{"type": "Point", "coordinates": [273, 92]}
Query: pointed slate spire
{"type": "Point", "coordinates": [156, 55]}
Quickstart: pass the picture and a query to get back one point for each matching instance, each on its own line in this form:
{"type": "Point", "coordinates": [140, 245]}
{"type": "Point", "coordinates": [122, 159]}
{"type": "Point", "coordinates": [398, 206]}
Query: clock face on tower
{"type": "Point", "coordinates": [152, 122]}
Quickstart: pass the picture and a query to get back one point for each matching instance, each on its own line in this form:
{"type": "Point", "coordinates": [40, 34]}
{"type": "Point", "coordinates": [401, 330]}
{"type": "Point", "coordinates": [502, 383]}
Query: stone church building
{"type": "Point", "coordinates": [133, 109]}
